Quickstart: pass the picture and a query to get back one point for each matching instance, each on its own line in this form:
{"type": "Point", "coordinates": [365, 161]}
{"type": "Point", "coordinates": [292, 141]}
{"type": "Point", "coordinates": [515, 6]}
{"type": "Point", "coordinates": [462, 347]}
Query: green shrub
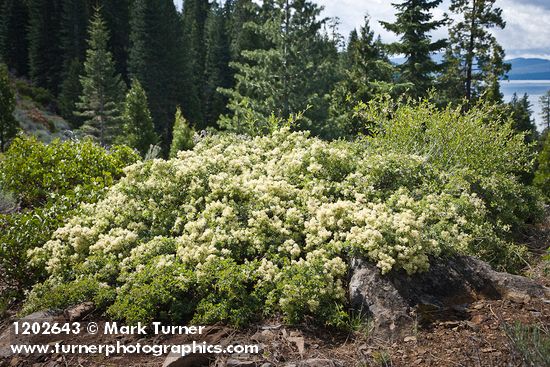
{"type": "Point", "coordinates": [479, 148]}
{"type": "Point", "coordinates": [542, 176]}
{"type": "Point", "coordinates": [37, 94]}
{"type": "Point", "coordinates": [36, 172]}
{"type": "Point", "coordinates": [241, 225]}
{"type": "Point", "coordinates": [51, 181]}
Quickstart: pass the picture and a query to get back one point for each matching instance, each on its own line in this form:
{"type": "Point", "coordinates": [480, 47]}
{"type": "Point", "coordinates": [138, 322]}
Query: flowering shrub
{"type": "Point", "coordinates": [243, 227]}
{"type": "Point", "coordinates": [50, 181]}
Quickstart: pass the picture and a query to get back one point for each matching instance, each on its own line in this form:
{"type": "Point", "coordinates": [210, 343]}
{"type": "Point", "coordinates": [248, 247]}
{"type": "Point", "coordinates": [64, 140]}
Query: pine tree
{"type": "Point", "coordinates": [14, 22]}
{"type": "Point", "coordinates": [8, 124]}
{"type": "Point", "coordinates": [293, 73]}
{"type": "Point", "coordinates": [139, 131]}
{"type": "Point", "coordinates": [182, 135]}
{"type": "Point", "coordinates": [195, 15]}
{"type": "Point", "coordinates": [521, 112]}
{"type": "Point", "coordinates": [413, 24]}
{"type": "Point", "coordinates": [156, 60]}
{"type": "Point", "coordinates": [474, 58]}
{"type": "Point", "coordinates": [102, 87]}
{"type": "Point", "coordinates": [45, 54]}
{"type": "Point", "coordinates": [545, 113]}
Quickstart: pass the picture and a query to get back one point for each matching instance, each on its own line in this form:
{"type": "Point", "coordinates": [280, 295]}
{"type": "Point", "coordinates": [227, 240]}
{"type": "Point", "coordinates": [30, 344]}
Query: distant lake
{"type": "Point", "coordinates": [534, 88]}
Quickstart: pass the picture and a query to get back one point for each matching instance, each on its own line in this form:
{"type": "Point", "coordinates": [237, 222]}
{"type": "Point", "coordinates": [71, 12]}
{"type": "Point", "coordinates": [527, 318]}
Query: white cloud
{"type": "Point", "coordinates": [527, 31]}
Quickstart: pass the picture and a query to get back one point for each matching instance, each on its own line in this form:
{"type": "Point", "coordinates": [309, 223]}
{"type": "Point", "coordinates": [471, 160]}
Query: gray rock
{"type": "Point", "coordinates": [8, 337]}
{"type": "Point", "coordinates": [190, 360]}
{"type": "Point", "coordinates": [78, 312]}
{"type": "Point", "coordinates": [439, 293]}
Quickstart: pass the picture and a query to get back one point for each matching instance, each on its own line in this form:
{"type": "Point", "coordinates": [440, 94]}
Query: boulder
{"type": "Point", "coordinates": [397, 301]}
{"type": "Point", "coordinates": [8, 337]}
{"type": "Point", "coordinates": [78, 312]}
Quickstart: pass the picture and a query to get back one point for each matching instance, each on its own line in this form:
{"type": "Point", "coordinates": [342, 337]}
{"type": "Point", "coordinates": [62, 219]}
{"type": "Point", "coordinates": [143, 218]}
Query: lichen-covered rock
{"type": "Point", "coordinates": [441, 292]}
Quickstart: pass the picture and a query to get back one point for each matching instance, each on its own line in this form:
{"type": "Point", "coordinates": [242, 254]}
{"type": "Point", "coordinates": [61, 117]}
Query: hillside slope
{"type": "Point", "coordinates": [36, 114]}
{"type": "Point", "coordinates": [529, 69]}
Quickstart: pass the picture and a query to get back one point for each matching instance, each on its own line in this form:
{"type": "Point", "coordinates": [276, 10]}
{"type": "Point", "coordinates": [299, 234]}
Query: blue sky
{"type": "Point", "coordinates": [527, 33]}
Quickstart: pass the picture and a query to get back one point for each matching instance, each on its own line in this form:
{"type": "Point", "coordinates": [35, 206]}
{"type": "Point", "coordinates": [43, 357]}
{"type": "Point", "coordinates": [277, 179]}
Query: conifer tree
{"type": "Point", "coordinates": [102, 87]}
{"type": "Point", "coordinates": [521, 112]}
{"type": "Point", "coordinates": [195, 15]}
{"type": "Point", "coordinates": [45, 54]}
{"type": "Point", "coordinates": [218, 74]}
{"type": "Point", "coordinates": [182, 135]}
{"type": "Point", "coordinates": [8, 124]}
{"type": "Point", "coordinates": [368, 73]}
{"type": "Point", "coordinates": [14, 22]}
{"type": "Point", "coordinates": [293, 73]}
{"type": "Point", "coordinates": [243, 15]}
{"type": "Point", "coordinates": [74, 27]}
{"type": "Point", "coordinates": [545, 112]}
{"type": "Point", "coordinates": [71, 89]}
{"type": "Point", "coordinates": [349, 54]}
{"type": "Point", "coordinates": [156, 60]}
{"type": "Point", "coordinates": [116, 14]}
{"type": "Point", "coordinates": [413, 24]}
{"type": "Point", "coordinates": [475, 60]}
{"type": "Point", "coordinates": [139, 132]}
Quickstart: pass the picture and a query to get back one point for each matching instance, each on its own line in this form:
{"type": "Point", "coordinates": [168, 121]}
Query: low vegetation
{"type": "Point", "coordinates": [251, 227]}
{"type": "Point", "coordinates": [48, 182]}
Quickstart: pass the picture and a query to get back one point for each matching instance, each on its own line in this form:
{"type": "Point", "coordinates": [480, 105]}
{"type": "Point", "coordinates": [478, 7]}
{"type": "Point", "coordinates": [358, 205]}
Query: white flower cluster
{"type": "Point", "coordinates": [286, 200]}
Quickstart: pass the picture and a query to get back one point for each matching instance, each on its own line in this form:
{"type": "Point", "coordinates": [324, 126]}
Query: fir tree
{"type": "Point", "coordinates": [139, 132]}
{"type": "Point", "coordinates": [8, 124]}
{"type": "Point", "coordinates": [475, 60]}
{"type": "Point", "coordinates": [45, 54]}
{"type": "Point", "coordinates": [102, 87]}
{"type": "Point", "coordinates": [116, 14]}
{"type": "Point", "coordinates": [14, 22]}
{"type": "Point", "coordinates": [195, 14]}
{"type": "Point", "coordinates": [413, 24]}
{"type": "Point", "coordinates": [156, 60]}
{"type": "Point", "coordinates": [545, 112]}
{"type": "Point", "coordinates": [74, 26]}
{"type": "Point", "coordinates": [243, 15]}
{"type": "Point", "coordinates": [71, 89]}
{"type": "Point", "coordinates": [368, 73]}
{"type": "Point", "coordinates": [217, 71]}
{"type": "Point", "coordinates": [182, 135]}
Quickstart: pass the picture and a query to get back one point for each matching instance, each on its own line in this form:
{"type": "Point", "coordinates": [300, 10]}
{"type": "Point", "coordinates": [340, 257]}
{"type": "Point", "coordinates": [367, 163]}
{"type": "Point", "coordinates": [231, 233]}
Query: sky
{"type": "Point", "coordinates": [527, 33]}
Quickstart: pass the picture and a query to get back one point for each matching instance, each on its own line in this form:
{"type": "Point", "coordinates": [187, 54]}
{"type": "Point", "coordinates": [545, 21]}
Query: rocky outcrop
{"type": "Point", "coordinates": [397, 302]}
